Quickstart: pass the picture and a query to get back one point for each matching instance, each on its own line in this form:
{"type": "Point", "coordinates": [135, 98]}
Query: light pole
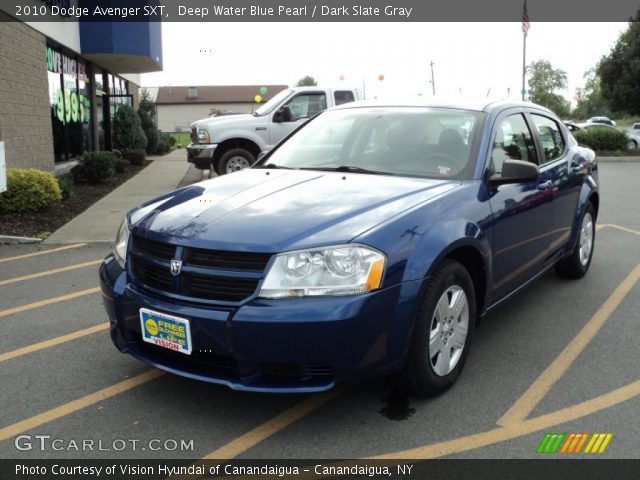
{"type": "Point", "coordinates": [433, 82]}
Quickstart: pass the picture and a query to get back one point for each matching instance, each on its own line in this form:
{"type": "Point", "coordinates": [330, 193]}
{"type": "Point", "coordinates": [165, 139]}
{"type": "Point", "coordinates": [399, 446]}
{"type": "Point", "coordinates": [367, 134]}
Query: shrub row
{"type": "Point", "coordinates": [602, 139]}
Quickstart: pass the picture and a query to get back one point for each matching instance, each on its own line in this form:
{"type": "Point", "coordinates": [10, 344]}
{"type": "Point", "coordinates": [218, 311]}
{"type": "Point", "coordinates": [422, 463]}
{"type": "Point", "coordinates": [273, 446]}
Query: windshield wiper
{"type": "Point", "coordinates": [274, 166]}
{"type": "Point", "coordinates": [347, 168]}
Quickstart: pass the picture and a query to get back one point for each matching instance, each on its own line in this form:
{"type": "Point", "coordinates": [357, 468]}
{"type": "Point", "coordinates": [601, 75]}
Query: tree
{"type": "Point", "coordinates": [620, 71]}
{"type": "Point", "coordinates": [127, 130]}
{"type": "Point", "coordinates": [146, 104]}
{"type": "Point", "coordinates": [544, 80]}
{"type": "Point", "coordinates": [150, 130]}
{"type": "Point", "coordinates": [307, 81]}
{"type": "Point", "coordinates": [591, 102]}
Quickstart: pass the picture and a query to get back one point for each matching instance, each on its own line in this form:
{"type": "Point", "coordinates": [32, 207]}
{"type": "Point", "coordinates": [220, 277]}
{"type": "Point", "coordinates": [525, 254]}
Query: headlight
{"type": "Point", "coordinates": [339, 270]}
{"type": "Point", "coordinates": [122, 239]}
{"type": "Point", "coordinates": [203, 136]}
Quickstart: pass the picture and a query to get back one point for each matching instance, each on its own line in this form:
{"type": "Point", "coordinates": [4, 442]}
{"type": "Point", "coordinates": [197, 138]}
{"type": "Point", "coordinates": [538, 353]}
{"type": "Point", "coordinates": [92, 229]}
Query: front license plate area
{"type": "Point", "coordinates": [165, 331]}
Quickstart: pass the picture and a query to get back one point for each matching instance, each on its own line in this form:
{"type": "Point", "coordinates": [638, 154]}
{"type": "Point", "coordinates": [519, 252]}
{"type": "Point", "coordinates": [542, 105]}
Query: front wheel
{"type": "Point", "coordinates": [234, 160]}
{"type": "Point", "coordinates": [578, 262]}
{"type": "Point", "coordinates": [632, 145]}
{"type": "Point", "coordinates": [442, 332]}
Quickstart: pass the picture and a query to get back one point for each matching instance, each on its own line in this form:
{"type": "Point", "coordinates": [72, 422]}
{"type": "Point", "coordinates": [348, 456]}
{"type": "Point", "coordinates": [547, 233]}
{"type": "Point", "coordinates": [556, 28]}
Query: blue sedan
{"type": "Point", "coordinates": [369, 242]}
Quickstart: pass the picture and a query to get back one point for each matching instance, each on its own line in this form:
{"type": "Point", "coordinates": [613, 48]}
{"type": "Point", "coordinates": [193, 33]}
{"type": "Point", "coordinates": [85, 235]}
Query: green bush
{"type": "Point", "coordinates": [66, 187]}
{"type": "Point", "coordinates": [162, 147]}
{"type": "Point", "coordinates": [121, 165]}
{"type": "Point", "coordinates": [172, 141]}
{"type": "Point", "coordinates": [602, 139]}
{"type": "Point", "coordinates": [99, 166]}
{"type": "Point", "coordinates": [136, 156]}
{"type": "Point", "coordinates": [150, 130]}
{"type": "Point", "coordinates": [29, 190]}
{"type": "Point", "coordinates": [127, 129]}
{"type": "Point", "coordinates": [179, 145]}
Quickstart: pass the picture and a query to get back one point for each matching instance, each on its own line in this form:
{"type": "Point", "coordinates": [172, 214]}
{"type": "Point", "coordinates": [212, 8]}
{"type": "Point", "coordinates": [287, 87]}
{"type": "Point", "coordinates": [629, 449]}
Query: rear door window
{"type": "Point", "coordinates": [550, 137]}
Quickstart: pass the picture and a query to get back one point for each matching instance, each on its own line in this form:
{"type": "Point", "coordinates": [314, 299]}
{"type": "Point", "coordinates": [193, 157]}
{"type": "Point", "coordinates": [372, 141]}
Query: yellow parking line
{"type": "Point", "coordinates": [48, 301]}
{"type": "Point", "coordinates": [52, 342]}
{"type": "Point", "coordinates": [49, 272]}
{"type": "Point", "coordinates": [536, 391]}
{"type": "Point", "coordinates": [625, 229]}
{"type": "Point", "coordinates": [79, 404]}
{"type": "Point", "coordinates": [515, 430]}
{"type": "Point", "coordinates": [43, 252]}
{"type": "Point", "coordinates": [271, 427]}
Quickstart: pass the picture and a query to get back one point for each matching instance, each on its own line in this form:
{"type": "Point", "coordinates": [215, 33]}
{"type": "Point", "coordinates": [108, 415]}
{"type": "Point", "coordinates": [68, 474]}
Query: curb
{"type": "Point", "coordinates": [8, 239]}
{"type": "Point", "coordinates": [618, 159]}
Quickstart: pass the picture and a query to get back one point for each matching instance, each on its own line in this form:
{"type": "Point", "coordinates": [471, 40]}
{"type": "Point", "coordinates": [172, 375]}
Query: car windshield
{"type": "Point", "coordinates": [405, 141]}
{"type": "Point", "coordinates": [268, 107]}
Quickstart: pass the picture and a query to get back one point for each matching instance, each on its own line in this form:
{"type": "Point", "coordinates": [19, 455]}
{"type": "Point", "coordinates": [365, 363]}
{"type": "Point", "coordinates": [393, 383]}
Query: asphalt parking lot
{"type": "Point", "coordinates": [563, 356]}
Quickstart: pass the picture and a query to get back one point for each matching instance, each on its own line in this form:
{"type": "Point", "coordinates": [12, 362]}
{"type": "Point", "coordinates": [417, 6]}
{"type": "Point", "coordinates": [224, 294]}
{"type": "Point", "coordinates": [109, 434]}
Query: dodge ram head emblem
{"type": "Point", "coordinates": [176, 266]}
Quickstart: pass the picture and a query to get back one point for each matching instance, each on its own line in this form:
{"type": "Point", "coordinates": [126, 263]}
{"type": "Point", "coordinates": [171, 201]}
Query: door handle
{"type": "Point", "coordinates": [545, 185]}
{"type": "Point", "coordinates": [580, 169]}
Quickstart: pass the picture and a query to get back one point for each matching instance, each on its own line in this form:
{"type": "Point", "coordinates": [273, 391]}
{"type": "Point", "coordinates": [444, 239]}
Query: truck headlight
{"type": "Point", "coordinates": [203, 136]}
{"type": "Point", "coordinates": [336, 270]}
{"type": "Point", "coordinates": [122, 240]}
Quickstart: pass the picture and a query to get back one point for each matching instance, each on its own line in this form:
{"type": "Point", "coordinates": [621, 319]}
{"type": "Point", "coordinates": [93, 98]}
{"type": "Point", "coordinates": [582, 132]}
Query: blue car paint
{"type": "Point", "coordinates": [274, 211]}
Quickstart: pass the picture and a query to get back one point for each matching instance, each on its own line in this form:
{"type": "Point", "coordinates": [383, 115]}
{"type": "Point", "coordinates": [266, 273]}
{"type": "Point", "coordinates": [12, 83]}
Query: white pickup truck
{"type": "Point", "coordinates": [232, 142]}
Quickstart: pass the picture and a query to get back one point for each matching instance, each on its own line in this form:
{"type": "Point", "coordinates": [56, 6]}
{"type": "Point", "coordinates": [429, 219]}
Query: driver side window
{"type": "Point", "coordinates": [307, 105]}
{"type": "Point", "coordinates": [513, 141]}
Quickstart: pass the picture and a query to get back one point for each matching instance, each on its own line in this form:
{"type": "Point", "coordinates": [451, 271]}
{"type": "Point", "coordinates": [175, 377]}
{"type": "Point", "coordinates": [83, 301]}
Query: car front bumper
{"type": "Point", "coordinates": [284, 345]}
{"type": "Point", "coordinates": [201, 154]}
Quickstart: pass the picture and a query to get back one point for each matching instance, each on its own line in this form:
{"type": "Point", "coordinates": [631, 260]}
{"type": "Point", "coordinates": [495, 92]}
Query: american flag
{"type": "Point", "coordinates": [525, 19]}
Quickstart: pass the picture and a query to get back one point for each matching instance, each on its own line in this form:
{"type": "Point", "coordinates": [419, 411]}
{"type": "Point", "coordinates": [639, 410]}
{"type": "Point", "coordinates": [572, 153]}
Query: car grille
{"type": "Point", "coordinates": [194, 135]}
{"type": "Point", "coordinates": [210, 275]}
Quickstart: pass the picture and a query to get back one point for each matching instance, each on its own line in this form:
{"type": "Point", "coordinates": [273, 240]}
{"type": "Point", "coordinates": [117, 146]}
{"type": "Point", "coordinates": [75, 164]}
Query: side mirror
{"type": "Point", "coordinates": [282, 115]}
{"type": "Point", "coordinates": [515, 171]}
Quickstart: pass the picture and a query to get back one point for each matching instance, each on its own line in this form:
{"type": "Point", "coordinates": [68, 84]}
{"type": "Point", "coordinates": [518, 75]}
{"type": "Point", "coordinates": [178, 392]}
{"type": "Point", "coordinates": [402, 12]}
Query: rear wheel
{"type": "Point", "coordinates": [234, 160]}
{"type": "Point", "coordinates": [578, 262]}
{"type": "Point", "coordinates": [442, 332]}
{"type": "Point", "coordinates": [632, 145]}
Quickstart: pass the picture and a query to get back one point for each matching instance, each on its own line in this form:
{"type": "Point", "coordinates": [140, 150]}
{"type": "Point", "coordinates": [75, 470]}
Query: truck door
{"type": "Point", "coordinates": [294, 113]}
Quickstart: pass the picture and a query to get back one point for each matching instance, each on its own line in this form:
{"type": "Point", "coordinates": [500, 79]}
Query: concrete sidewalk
{"type": "Point", "coordinates": [100, 221]}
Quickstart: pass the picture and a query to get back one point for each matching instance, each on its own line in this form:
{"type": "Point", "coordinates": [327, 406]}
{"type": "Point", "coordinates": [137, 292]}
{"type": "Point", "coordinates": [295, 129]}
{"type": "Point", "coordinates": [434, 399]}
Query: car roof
{"type": "Point", "coordinates": [462, 103]}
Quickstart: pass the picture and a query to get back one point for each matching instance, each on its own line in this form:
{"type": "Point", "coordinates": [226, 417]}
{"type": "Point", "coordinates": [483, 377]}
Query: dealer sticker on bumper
{"type": "Point", "coordinates": [165, 331]}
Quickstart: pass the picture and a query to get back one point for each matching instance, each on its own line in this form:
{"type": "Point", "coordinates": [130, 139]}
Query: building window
{"type": "Point", "coordinates": [70, 100]}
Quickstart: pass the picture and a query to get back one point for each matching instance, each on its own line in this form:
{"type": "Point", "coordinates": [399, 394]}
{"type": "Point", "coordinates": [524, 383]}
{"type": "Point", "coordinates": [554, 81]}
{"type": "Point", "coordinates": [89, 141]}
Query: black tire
{"type": "Point", "coordinates": [632, 145]}
{"type": "Point", "coordinates": [575, 265]}
{"type": "Point", "coordinates": [234, 160]}
{"type": "Point", "coordinates": [419, 373]}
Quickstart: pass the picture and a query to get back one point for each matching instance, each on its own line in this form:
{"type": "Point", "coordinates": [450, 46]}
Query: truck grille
{"type": "Point", "coordinates": [194, 135]}
{"type": "Point", "coordinates": [210, 275]}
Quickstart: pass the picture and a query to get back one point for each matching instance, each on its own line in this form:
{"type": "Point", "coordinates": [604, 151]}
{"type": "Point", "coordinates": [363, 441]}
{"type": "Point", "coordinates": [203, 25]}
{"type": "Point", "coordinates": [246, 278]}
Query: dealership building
{"type": "Point", "coordinates": [62, 81]}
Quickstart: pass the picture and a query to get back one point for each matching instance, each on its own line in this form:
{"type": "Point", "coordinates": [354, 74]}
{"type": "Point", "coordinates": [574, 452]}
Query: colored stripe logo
{"type": "Point", "coordinates": [573, 443]}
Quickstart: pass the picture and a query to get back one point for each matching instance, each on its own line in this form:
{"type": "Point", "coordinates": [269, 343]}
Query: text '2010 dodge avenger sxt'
{"type": "Point", "coordinates": [369, 242]}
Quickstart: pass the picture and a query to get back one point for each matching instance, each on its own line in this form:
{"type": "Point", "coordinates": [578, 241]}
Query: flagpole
{"type": "Point", "coordinates": [524, 61]}
{"type": "Point", "coordinates": [525, 30]}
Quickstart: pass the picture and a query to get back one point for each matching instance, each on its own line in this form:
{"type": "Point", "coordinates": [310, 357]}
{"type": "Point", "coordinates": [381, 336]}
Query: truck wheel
{"type": "Point", "coordinates": [234, 160]}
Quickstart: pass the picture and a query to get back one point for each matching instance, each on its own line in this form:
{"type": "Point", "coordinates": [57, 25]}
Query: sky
{"type": "Point", "coordinates": [472, 59]}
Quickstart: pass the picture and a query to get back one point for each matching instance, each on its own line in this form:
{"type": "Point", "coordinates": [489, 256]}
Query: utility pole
{"type": "Point", "coordinates": [433, 82]}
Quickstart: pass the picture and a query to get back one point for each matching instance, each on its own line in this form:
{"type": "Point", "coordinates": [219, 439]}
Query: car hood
{"type": "Point", "coordinates": [277, 210]}
{"type": "Point", "coordinates": [212, 122]}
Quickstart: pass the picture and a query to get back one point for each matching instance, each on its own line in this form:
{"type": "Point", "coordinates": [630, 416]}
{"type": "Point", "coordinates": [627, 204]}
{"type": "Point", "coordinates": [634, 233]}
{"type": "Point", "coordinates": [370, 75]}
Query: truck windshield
{"type": "Point", "coordinates": [268, 107]}
{"type": "Point", "coordinates": [402, 141]}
